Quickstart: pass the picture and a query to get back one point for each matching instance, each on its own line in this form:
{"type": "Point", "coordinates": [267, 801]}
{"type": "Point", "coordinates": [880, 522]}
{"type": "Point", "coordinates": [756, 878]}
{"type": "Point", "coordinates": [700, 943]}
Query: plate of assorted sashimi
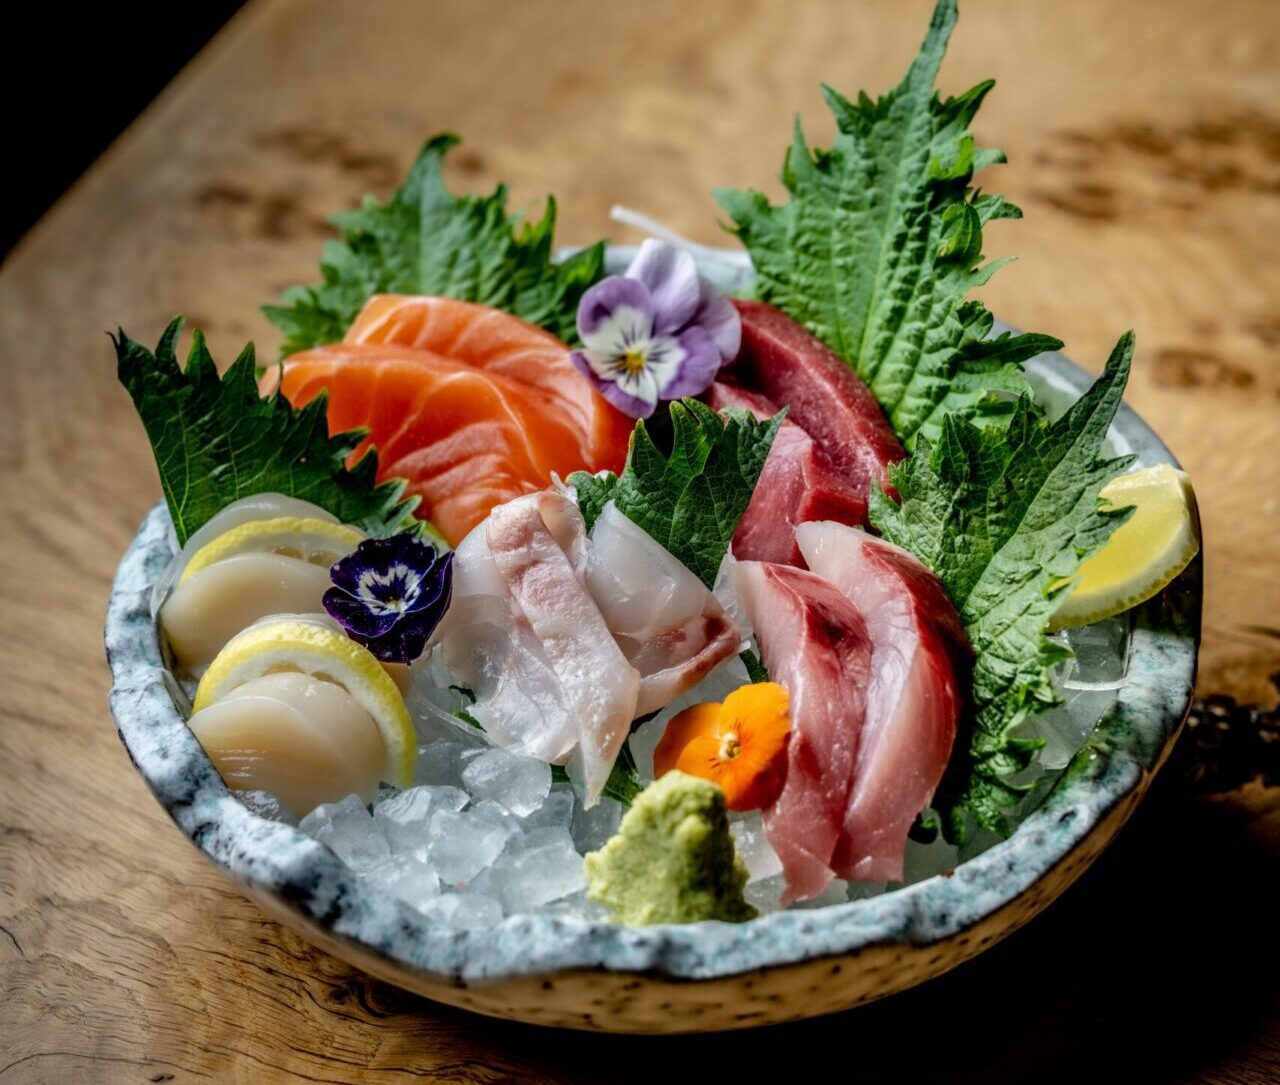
{"type": "Point", "coordinates": [658, 638]}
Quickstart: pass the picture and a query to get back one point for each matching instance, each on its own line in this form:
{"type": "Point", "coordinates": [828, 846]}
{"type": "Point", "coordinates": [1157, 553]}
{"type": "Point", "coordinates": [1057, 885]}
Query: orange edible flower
{"type": "Point", "coordinates": [741, 745]}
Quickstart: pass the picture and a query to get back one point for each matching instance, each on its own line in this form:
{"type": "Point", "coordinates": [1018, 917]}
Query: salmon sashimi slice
{"type": "Point", "coordinates": [501, 344]}
{"type": "Point", "coordinates": [465, 439]}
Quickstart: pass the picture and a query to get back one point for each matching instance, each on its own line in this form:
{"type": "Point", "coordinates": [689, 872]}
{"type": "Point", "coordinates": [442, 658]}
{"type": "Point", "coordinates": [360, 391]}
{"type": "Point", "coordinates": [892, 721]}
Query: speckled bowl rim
{"type": "Point", "coordinates": [273, 859]}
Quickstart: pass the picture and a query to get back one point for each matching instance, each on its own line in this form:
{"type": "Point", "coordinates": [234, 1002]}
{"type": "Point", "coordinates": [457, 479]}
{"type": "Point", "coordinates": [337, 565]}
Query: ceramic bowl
{"type": "Point", "coordinates": [704, 976]}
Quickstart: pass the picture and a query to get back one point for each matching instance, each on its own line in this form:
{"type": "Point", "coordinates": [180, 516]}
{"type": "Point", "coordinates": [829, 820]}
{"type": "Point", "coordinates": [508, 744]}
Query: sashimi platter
{"type": "Point", "coordinates": [664, 637]}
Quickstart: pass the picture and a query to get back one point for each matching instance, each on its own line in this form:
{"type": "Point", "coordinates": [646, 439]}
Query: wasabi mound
{"type": "Point", "coordinates": [672, 859]}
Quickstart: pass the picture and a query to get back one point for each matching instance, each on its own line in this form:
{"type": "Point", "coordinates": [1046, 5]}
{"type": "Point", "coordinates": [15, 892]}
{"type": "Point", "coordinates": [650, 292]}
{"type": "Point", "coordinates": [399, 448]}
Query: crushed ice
{"type": "Point", "coordinates": [484, 833]}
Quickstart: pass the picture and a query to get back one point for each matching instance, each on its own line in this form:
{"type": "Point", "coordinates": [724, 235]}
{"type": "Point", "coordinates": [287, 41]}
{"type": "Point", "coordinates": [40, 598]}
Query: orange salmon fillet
{"type": "Point", "coordinates": [471, 405]}
{"type": "Point", "coordinates": [500, 343]}
{"type": "Point", "coordinates": [465, 440]}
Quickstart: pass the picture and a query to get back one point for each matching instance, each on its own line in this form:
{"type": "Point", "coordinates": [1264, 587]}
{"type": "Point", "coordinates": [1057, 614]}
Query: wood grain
{"type": "Point", "coordinates": [1144, 143]}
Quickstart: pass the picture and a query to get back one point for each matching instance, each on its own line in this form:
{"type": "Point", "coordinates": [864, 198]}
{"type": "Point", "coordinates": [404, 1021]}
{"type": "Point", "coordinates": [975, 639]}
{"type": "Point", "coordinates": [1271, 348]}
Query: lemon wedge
{"type": "Point", "coordinates": [313, 647]}
{"type": "Point", "coordinates": [307, 538]}
{"type": "Point", "coordinates": [1144, 554]}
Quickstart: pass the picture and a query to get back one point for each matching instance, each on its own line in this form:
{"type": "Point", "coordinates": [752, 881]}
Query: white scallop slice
{"type": "Point", "coordinates": [208, 609]}
{"type": "Point", "coordinates": [266, 506]}
{"type": "Point", "coordinates": [305, 740]}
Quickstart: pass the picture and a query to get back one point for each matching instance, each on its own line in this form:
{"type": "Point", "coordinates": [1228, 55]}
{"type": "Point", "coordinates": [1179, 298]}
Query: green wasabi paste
{"type": "Point", "coordinates": [672, 859]}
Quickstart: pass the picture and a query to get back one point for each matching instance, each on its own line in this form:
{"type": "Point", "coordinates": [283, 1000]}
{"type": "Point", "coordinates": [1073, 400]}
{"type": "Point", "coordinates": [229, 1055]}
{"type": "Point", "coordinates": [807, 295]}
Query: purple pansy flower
{"type": "Point", "coordinates": [390, 594]}
{"type": "Point", "coordinates": [658, 332]}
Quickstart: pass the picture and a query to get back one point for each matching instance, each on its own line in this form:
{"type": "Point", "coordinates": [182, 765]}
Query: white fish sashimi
{"type": "Point", "coordinates": [565, 639]}
{"type": "Point", "coordinates": [599, 685]}
{"type": "Point", "coordinates": [491, 648]}
{"type": "Point", "coordinates": [914, 697]}
{"type": "Point", "coordinates": [668, 625]}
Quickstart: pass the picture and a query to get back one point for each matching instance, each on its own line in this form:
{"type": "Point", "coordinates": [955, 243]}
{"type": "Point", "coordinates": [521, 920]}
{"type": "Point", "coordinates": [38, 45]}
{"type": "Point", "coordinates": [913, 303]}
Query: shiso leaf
{"type": "Point", "coordinates": [217, 440]}
{"type": "Point", "coordinates": [881, 241]}
{"type": "Point", "coordinates": [691, 499]}
{"type": "Point", "coordinates": [1001, 516]}
{"type": "Point", "coordinates": [426, 240]}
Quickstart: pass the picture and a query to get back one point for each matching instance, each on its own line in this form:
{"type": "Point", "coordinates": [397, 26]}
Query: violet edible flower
{"type": "Point", "coordinates": [390, 594]}
{"type": "Point", "coordinates": [659, 332]}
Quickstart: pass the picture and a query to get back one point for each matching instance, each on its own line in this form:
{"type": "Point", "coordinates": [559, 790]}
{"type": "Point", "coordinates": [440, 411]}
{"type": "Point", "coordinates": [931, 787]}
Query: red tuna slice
{"type": "Point", "coordinates": [798, 483]}
{"type": "Point", "coordinates": [913, 703]}
{"type": "Point", "coordinates": [781, 360]}
{"type": "Point", "coordinates": [815, 644]}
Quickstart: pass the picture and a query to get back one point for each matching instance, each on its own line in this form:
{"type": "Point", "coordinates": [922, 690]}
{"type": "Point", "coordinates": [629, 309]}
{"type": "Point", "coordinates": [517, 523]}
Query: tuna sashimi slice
{"type": "Point", "coordinates": [913, 701]}
{"type": "Point", "coordinates": [465, 439]}
{"type": "Point", "coordinates": [781, 360]}
{"type": "Point", "coordinates": [668, 625]}
{"type": "Point", "coordinates": [798, 483]}
{"type": "Point", "coordinates": [501, 344]}
{"type": "Point", "coordinates": [815, 644]}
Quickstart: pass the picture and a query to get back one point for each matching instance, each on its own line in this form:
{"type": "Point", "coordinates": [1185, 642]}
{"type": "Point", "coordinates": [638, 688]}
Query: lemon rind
{"type": "Point", "coordinates": [252, 534]}
{"type": "Point", "coordinates": [376, 691]}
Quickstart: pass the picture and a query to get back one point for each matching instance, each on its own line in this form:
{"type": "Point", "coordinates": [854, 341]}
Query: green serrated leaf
{"type": "Point", "coordinates": [426, 240]}
{"type": "Point", "coordinates": [1001, 516]}
{"type": "Point", "coordinates": [691, 499]}
{"type": "Point", "coordinates": [624, 782]}
{"type": "Point", "coordinates": [216, 440]}
{"type": "Point", "coordinates": [881, 242]}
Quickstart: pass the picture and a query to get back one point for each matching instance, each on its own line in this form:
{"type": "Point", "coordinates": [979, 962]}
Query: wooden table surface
{"type": "Point", "coordinates": [1144, 142]}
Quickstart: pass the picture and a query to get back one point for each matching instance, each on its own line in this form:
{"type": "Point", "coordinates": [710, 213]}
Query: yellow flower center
{"type": "Point", "coordinates": [633, 362]}
{"type": "Point", "coordinates": [730, 747]}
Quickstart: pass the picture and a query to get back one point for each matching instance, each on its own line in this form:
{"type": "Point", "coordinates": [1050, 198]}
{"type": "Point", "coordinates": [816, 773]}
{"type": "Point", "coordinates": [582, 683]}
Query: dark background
{"type": "Point", "coordinates": [108, 61]}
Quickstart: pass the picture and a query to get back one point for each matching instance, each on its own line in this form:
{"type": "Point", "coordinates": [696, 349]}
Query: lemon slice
{"type": "Point", "coordinates": [312, 647]}
{"type": "Point", "coordinates": [1146, 552]}
{"type": "Point", "coordinates": [312, 540]}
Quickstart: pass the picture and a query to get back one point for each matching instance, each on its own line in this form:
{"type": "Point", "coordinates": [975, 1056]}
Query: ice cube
{"type": "Point", "coordinates": [765, 893]}
{"type": "Point", "coordinates": [921, 861]}
{"type": "Point", "coordinates": [434, 699]}
{"type": "Point", "coordinates": [405, 818]}
{"type": "Point", "coordinates": [1102, 653]}
{"type": "Point", "coordinates": [407, 878]}
{"type": "Point", "coordinates": [754, 848]}
{"type": "Point", "coordinates": [592, 828]}
{"type": "Point", "coordinates": [542, 835]}
{"type": "Point", "coordinates": [1066, 728]}
{"type": "Point", "coordinates": [556, 809]}
{"type": "Point", "coordinates": [348, 830]}
{"type": "Point", "coordinates": [643, 741]}
{"type": "Point", "coordinates": [835, 893]}
{"type": "Point", "coordinates": [518, 782]}
{"type": "Point", "coordinates": [576, 906]}
{"type": "Point", "coordinates": [864, 890]}
{"type": "Point", "coordinates": [465, 911]}
{"type": "Point", "coordinates": [266, 805]}
{"type": "Point", "coordinates": [443, 762]}
{"type": "Point", "coordinates": [464, 842]}
{"type": "Point", "coordinates": [539, 875]}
